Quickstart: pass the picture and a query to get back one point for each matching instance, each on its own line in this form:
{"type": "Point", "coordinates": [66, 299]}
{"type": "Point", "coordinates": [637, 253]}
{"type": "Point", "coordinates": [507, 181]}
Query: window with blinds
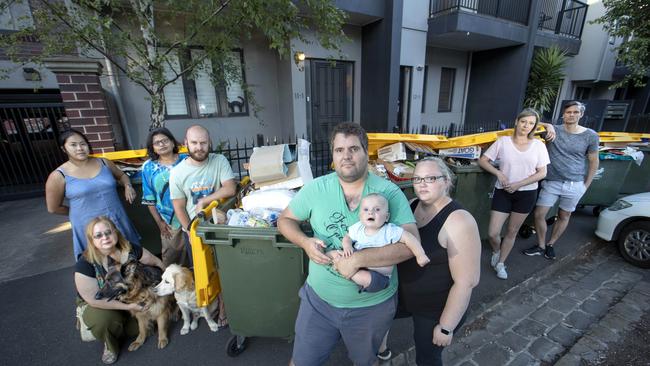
{"type": "Point", "coordinates": [447, 77]}
{"type": "Point", "coordinates": [206, 95]}
{"type": "Point", "coordinates": [199, 97]}
{"type": "Point", "coordinates": [175, 102]}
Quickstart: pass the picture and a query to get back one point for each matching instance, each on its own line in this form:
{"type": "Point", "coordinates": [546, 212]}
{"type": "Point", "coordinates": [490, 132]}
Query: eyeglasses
{"type": "Point", "coordinates": [162, 142]}
{"type": "Point", "coordinates": [429, 179]}
{"type": "Point", "coordinates": [100, 234]}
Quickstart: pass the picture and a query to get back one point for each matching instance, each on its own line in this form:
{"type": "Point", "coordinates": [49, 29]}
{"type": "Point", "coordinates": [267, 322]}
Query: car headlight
{"type": "Point", "coordinates": [619, 205]}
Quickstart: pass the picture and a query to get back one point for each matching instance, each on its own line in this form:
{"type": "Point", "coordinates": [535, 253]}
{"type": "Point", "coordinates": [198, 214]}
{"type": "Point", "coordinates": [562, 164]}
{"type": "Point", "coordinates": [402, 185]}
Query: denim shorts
{"type": "Point", "coordinates": [319, 327]}
{"type": "Point", "coordinates": [569, 194]}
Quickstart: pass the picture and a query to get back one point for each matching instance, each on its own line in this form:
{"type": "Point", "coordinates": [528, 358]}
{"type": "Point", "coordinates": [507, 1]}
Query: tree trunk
{"type": "Point", "coordinates": [157, 111]}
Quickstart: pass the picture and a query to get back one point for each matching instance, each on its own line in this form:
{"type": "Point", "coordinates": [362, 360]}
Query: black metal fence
{"type": "Point", "coordinates": [563, 17]}
{"type": "Point", "coordinates": [512, 10]}
{"type": "Point", "coordinates": [239, 153]}
{"type": "Point", "coordinates": [28, 146]}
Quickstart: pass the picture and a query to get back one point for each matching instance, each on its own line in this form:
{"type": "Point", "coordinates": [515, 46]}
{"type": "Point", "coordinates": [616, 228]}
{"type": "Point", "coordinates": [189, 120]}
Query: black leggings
{"type": "Point", "coordinates": [426, 353]}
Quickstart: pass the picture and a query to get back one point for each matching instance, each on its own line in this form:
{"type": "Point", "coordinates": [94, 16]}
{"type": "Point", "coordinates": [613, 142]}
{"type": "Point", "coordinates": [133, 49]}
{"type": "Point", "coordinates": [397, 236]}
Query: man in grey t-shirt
{"type": "Point", "coordinates": [574, 162]}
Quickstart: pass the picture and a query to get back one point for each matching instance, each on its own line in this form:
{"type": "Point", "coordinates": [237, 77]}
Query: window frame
{"type": "Point", "coordinates": [191, 94]}
{"type": "Point", "coordinates": [25, 10]}
{"type": "Point", "coordinates": [452, 81]}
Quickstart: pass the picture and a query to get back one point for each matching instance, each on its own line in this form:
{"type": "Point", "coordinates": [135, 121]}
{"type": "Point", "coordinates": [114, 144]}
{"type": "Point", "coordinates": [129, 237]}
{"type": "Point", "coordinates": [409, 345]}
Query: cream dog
{"type": "Point", "coordinates": [179, 281]}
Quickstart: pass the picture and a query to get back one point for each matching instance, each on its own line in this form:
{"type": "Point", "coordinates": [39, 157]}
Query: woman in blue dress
{"type": "Point", "coordinates": [90, 187]}
{"type": "Point", "coordinates": [162, 149]}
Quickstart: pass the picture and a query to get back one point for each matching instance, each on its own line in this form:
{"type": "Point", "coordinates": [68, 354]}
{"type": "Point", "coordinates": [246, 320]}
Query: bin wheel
{"type": "Point", "coordinates": [551, 220]}
{"type": "Point", "coordinates": [596, 210]}
{"type": "Point", "coordinates": [526, 231]}
{"type": "Point", "coordinates": [235, 348]}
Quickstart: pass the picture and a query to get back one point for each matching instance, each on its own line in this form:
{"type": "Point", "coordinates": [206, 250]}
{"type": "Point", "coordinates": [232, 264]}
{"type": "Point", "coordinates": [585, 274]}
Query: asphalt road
{"type": "Point", "coordinates": [38, 326]}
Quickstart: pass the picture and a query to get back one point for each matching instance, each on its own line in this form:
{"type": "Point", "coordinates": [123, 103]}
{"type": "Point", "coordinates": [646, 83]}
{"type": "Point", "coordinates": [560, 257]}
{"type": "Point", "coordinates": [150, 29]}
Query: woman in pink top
{"type": "Point", "coordinates": [522, 161]}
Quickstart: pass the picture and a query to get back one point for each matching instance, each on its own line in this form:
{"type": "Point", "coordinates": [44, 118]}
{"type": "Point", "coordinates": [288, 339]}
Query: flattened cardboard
{"type": "Point", "coordinates": [298, 173]}
{"type": "Point", "coordinates": [404, 151]}
{"type": "Point", "coordinates": [268, 163]}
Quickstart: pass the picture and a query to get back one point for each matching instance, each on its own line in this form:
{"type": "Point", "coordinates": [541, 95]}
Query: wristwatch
{"type": "Point", "coordinates": [444, 331]}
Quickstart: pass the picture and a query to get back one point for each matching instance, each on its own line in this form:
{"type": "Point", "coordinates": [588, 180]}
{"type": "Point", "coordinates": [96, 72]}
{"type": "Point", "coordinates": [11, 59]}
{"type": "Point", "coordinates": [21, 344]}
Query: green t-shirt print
{"type": "Point", "coordinates": [322, 203]}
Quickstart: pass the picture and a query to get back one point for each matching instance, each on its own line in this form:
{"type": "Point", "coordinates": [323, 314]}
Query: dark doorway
{"type": "Point", "coordinates": [331, 85]}
{"type": "Point", "coordinates": [29, 128]}
{"type": "Point", "coordinates": [404, 98]}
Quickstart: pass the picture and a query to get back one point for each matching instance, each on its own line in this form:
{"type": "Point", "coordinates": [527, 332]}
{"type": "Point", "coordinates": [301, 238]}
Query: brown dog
{"type": "Point", "coordinates": [134, 283]}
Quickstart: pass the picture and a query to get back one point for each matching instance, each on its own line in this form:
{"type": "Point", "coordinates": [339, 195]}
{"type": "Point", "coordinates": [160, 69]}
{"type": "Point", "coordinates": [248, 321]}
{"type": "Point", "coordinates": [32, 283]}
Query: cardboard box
{"type": "Point", "coordinates": [397, 169]}
{"type": "Point", "coordinates": [467, 152]}
{"type": "Point", "coordinates": [404, 151]}
{"type": "Point", "coordinates": [268, 163]}
{"type": "Point", "coordinates": [298, 172]}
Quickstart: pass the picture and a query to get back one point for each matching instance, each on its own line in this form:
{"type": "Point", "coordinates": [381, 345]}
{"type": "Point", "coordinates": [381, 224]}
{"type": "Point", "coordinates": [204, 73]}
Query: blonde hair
{"type": "Point", "coordinates": [527, 112]}
{"type": "Point", "coordinates": [92, 254]}
{"type": "Point", "coordinates": [444, 170]}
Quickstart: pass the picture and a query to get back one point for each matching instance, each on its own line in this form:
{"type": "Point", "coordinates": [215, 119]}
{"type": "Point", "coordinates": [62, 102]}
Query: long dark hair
{"type": "Point", "coordinates": [66, 134]}
{"type": "Point", "coordinates": [159, 131]}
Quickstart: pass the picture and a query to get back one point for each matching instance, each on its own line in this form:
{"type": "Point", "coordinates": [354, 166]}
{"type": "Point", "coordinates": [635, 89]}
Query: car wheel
{"type": "Point", "coordinates": [634, 243]}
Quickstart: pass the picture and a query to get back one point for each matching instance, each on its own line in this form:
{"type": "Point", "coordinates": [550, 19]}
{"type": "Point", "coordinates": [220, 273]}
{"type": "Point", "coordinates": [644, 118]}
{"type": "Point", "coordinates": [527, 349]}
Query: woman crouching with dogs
{"type": "Point", "coordinates": [106, 320]}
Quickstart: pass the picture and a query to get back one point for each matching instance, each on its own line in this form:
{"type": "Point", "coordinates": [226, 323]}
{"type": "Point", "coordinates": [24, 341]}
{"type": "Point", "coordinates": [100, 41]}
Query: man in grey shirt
{"type": "Point", "coordinates": [574, 162]}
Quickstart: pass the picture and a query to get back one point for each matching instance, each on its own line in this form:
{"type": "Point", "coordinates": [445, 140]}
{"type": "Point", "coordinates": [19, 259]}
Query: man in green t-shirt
{"type": "Point", "coordinates": [331, 305]}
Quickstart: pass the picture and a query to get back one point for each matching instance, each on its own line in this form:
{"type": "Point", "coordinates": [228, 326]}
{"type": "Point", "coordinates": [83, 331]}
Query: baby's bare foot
{"type": "Point", "coordinates": [422, 260]}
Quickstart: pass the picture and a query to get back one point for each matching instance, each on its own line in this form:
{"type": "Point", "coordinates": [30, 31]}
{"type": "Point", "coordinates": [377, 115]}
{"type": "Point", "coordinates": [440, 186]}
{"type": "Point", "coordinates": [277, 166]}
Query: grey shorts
{"type": "Point", "coordinates": [319, 327]}
{"type": "Point", "coordinates": [569, 194]}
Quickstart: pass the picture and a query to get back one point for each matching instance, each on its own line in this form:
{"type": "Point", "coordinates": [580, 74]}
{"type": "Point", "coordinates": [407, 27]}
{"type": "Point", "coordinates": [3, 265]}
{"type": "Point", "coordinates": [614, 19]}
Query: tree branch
{"type": "Point", "coordinates": [187, 40]}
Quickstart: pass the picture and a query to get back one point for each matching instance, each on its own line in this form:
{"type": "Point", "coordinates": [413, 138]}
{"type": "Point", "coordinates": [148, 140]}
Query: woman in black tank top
{"type": "Point", "coordinates": [436, 296]}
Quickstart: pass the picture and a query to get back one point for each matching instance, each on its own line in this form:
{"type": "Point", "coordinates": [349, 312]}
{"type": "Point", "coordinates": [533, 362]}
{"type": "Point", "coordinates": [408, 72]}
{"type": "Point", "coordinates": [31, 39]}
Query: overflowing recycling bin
{"type": "Point", "coordinates": [473, 189]}
{"type": "Point", "coordinates": [607, 182]}
{"type": "Point", "coordinates": [638, 177]}
{"type": "Point", "coordinates": [260, 273]}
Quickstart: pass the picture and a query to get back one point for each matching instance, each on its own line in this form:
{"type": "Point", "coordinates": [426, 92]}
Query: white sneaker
{"type": "Point", "coordinates": [501, 271]}
{"type": "Point", "coordinates": [495, 258]}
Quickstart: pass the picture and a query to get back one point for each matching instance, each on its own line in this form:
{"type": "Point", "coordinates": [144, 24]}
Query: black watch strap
{"type": "Point", "coordinates": [444, 331]}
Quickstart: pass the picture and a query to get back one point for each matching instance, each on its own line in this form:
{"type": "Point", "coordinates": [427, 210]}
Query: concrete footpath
{"type": "Point", "coordinates": [566, 315]}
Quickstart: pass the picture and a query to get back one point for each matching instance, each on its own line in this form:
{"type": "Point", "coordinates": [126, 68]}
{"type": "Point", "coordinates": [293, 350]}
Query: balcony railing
{"type": "Point", "coordinates": [512, 10]}
{"type": "Point", "coordinates": [563, 17]}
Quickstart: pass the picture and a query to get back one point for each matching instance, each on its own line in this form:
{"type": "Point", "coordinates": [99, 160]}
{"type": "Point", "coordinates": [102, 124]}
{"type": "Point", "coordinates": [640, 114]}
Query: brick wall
{"type": "Point", "coordinates": [85, 106]}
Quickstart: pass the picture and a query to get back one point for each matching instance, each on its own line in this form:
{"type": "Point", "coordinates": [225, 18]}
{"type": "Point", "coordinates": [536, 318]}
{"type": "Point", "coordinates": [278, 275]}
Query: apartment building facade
{"type": "Point", "coordinates": [407, 64]}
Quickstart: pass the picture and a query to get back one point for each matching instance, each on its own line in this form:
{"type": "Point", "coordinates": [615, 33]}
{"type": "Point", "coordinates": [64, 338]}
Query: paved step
{"type": "Point", "coordinates": [567, 313]}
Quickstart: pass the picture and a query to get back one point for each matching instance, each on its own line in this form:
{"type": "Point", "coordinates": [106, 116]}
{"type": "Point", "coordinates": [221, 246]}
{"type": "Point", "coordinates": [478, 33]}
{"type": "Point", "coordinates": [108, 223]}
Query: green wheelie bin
{"type": "Point", "coordinates": [473, 189]}
{"type": "Point", "coordinates": [638, 177]}
{"type": "Point", "coordinates": [607, 183]}
{"type": "Point", "coordinates": [260, 273]}
{"type": "Point", "coordinates": [142, 219]}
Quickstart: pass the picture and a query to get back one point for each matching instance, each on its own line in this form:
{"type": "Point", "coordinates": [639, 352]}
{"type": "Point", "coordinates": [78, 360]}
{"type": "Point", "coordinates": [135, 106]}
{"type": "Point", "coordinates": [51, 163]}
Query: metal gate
{"type": "Point", "coordinates": [28, 147]}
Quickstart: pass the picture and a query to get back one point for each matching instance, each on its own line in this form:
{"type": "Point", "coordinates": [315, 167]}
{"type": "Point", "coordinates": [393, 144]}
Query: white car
{"type": "Point", "coordinates": [628, 222]}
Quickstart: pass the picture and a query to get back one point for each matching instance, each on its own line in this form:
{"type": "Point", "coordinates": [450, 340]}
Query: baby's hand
{"type": "Point", "coordinates": [347, 252]}
{"type": "Point", "coordinates": [422, 260]}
